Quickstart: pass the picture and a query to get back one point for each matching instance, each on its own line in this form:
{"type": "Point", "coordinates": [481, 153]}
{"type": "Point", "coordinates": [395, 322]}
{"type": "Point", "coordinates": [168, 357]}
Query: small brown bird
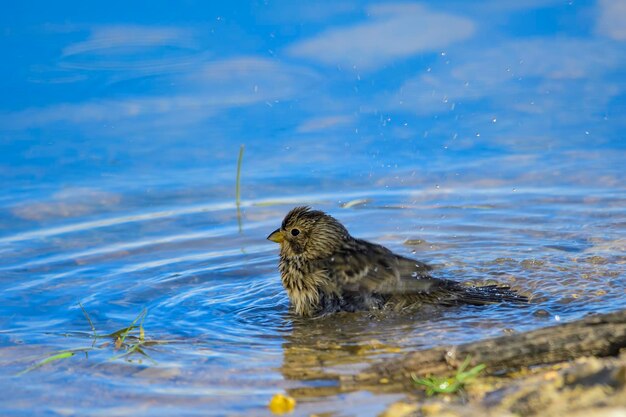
{"type": "Point", "coordinates": [325, 270]}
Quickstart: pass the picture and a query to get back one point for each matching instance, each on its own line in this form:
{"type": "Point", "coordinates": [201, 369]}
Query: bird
{"type": "Point", "coordinates": [325, 270]}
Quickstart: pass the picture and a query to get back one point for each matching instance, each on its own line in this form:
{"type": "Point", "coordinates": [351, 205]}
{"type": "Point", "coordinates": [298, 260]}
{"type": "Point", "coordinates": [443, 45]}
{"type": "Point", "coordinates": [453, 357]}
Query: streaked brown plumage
{"type": "Point", "coordinates": [325, 270]}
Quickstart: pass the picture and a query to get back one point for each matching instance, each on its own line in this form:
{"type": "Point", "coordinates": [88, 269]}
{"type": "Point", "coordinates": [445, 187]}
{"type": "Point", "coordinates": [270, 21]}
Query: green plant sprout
{"type": "Point", "coordinates": [449, 385]}
{"type": "Point", "coordinates": [130, 339]}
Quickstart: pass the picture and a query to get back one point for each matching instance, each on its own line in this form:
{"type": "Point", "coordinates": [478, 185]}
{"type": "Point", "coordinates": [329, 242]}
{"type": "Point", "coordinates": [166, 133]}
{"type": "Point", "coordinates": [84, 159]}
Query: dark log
{"type": "Point", "coordinates": [598, 335]}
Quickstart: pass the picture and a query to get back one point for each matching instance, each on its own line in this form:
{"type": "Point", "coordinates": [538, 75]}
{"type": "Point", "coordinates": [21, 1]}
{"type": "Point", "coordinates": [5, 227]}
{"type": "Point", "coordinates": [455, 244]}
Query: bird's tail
{"type": "Point", "coordinates": [488, 294]}
{"type": "Point", "coordinates": [451, 293]}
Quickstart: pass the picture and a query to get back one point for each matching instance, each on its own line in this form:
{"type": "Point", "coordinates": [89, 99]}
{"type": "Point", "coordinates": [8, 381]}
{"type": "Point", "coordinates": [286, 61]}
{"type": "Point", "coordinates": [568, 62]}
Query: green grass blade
{"type": "Point", "coordinates": [136, 348]}
{"type": "Point", "coordinates": [121, 331]}
{"type": "Point", "coordinates": [238, 180]}
{"type": "Point", "coordinates": [49, 359]}
{"type": "Point", "coordinates": [238, 186]}
{"type": "Point", "coordinates": [472, 373]}
{"type": "Point", "coordinates": [93, 328]}
{"type": "Point", "coordinates": [464, 365]}
{"type": "Point", "coordinates": [132, 325]}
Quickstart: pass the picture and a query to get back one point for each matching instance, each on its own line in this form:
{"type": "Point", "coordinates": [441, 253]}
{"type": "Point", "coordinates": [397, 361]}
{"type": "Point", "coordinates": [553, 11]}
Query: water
{"type": "Point", "coordinates": [486, 140]}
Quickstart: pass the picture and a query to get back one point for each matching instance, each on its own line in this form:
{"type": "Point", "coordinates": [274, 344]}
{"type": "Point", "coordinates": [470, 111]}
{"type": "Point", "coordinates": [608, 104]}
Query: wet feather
{"type": "Point", "coordinates": [325, 270]}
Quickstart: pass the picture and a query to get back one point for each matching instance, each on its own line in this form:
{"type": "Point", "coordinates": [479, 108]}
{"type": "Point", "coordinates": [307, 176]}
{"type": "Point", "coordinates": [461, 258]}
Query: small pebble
{"type": "Point", "coordinates": [430, 409]}
{"type": "Point", "coordinates": [399, 409]}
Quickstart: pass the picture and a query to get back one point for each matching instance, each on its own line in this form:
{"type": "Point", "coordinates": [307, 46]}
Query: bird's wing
{"type": "Point", "coordinates": [410, 268]}
{"type": "Point", "coordinates": [447, 291]}
{"type": "Point", "coordinates": [414, 278]}
{"type": "Point", "coordinates": [364, 266]}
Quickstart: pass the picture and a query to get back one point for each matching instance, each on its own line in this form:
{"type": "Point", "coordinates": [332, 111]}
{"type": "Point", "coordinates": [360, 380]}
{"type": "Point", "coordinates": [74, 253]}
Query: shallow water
{"type": "Point", "coordinates": [493, 151]}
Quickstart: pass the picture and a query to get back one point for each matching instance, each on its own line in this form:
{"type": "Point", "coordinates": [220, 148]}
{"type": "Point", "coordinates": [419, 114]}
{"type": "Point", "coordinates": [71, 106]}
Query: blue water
{"type": "Point", "coordinates": [486, 139]}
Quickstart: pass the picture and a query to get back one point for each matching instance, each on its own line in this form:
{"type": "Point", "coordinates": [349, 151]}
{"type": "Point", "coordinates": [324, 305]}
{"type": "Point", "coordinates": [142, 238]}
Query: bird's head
{"type": "Point", "coordinates": [312, 234]}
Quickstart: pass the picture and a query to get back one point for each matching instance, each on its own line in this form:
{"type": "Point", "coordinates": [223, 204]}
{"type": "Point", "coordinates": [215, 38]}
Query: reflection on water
{"type": "Point", "coordinates": [492, 149]}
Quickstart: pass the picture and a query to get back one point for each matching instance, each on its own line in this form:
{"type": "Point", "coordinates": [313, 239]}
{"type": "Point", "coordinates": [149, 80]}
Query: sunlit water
{"type": "Point", "coordinates": [493, 150]}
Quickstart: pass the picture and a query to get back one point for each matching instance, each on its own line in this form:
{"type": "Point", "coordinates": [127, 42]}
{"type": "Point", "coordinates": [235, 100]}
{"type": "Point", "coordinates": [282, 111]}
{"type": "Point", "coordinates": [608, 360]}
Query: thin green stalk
{"type": "Point", "coordinates": [142, 333]}
{"type": "Point", "coordinates": [238, 186]}
{"type": "Point", "coordinates": [53, 358]}
{"type": "Point", "coordinates": [238, 183]}
{"type": "Point", "coordinates": [93, 328]}
{"type": "Point", "coordinates": [132, 325]}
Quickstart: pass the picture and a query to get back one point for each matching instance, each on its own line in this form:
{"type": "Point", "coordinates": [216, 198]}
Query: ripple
{"type": "Point", "coordinates": [265, 202]}
{"type": "Point", "coordinates": [217, 290]}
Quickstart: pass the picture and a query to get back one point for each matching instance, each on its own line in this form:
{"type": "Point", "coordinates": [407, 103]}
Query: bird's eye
{"type": "Point", "coordinates": [295, 232]}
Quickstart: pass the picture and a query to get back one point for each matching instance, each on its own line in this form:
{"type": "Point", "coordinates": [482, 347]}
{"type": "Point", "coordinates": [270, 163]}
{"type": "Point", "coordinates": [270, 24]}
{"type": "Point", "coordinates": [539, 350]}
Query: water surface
{"type": "Point", "coordinates": [486, 140]}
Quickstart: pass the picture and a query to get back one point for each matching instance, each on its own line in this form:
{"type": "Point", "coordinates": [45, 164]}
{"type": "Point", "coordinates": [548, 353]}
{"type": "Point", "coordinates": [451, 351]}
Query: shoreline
{"type": "Point", "coordinates": [576, 368]}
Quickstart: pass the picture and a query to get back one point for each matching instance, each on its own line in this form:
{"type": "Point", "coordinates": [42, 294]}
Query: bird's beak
{"type": "Point", "coordinates": [276, 236]}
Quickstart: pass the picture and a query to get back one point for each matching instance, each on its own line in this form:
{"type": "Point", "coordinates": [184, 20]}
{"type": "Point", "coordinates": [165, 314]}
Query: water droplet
{"type": "Point", "coordinates": [557, 318]}
{"type": "Point", "coordinates": [494, 120]}
{"type": "Point", "coordinates": [437, 186]}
